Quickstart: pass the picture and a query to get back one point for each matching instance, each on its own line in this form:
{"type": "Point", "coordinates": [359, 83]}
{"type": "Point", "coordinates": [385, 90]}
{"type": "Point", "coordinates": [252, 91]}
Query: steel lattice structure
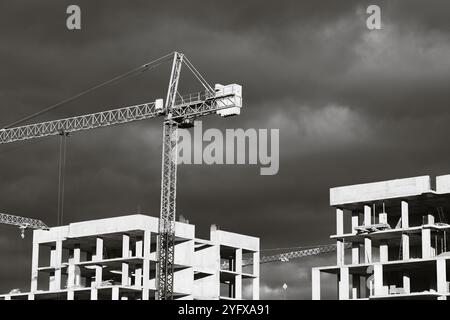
{"type": "Point", "coordinates": [84, 122]}
{"type": "Point", "coordinates": [286, 256]}
{"type": "Point", "coordinates": [22, 222]}
{"type": "Point", "coordinates": [301, 253]}
{"type": "Point", "coordinates": [197, 105]}
{"type": "Point", "coordinates": [168, 189]}
{"type": "Point", "coordinates": [177, 110]}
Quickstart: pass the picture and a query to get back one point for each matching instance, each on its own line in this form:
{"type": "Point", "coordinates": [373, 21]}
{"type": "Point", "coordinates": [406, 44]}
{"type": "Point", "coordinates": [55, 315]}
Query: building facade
{"type": "Point", "coordinates": [392, 240]}
{"type": "Point", "coordinates": [116, 259]}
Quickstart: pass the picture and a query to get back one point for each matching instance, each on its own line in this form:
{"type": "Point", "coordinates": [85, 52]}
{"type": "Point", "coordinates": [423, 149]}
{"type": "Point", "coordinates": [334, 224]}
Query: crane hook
{"type": "Point", "coordinates": [22, 231]}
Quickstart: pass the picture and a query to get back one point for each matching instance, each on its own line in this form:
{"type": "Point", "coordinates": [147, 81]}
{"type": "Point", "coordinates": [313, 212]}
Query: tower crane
{"type": "Point", "coordinates": [177, 111]}
{"type": "Point", "coordinates": [288, 256]}
{"type": "Point", "coordinates": [22, 222]}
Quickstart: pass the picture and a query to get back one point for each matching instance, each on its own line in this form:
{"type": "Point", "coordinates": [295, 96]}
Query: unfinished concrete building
{"type": "Point", "coordinates": [391, 240]}
{"type": "Point", "coordinates": [116, 259]}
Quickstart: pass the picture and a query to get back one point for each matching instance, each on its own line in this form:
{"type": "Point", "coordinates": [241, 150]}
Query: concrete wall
{"type": "Point", "coordinates": [380, 190]}
{"type": "Point", "coordinates": [235, 240]}
{"type": "Point", "coordinates": [443, 184]}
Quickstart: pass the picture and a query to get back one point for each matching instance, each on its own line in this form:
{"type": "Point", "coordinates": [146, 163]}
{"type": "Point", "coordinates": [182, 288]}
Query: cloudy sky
{"type": "Point", "coordinates": [352, 106]}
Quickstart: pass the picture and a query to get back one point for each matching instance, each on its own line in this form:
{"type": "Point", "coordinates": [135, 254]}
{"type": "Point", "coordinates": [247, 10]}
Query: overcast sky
{"type": "Point", "coordinates": [352, 106]}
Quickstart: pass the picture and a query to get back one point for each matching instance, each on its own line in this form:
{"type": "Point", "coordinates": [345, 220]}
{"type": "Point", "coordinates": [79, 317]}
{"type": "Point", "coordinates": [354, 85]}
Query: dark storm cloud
{"type": "Point", "coordinates": [352, 106]}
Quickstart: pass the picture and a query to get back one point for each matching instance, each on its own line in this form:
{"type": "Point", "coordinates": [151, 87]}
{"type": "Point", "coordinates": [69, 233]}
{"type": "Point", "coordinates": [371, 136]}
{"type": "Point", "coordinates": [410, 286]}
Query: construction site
{"type": "Point", "coordinates": [391, 236]}
{"type": "Point", "coordinates": [141, 257]}
{"type": "Point", "coordinates": [115, 259]}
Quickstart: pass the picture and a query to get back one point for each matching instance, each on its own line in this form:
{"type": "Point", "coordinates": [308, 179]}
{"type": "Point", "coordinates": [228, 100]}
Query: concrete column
{"type": "Point", "coordinates": [53, 259]}
{"type": "Point", "coordinates": [77, 253]}
{"type": "Point", "coordinates": [378, 279]}
{"type": "Point", "coordinates": [238, 260]}
{"type": "Point", "coordinates": [368, 288]}
{"type": "Point", "coordinates": [256, 273]}
{"type": "Point", "coordinates": [367, 241]}
{"type": "Point", "coordinates": [70, 274]}
{"type": "Point", "coordinates": [355, 221]}
{"type": "Point", "coordinates": [77, 259]}
{"type": "Point", "coordinates": [31, 296]}
{"type": "Point", "coordinates": [125, 246]}
{"type": "Point", "coordinates": [57, 265]}
{"type": "Point", "coordinates": [146, 266]}
{"type": "Point", "coordinates": [73, 271]}
{"type": "Point", "coordinates": [384, 254]}
{"type": "Point", "coordinates": [405, 225]}
{"type": "Point", "coordinates": [139, 248]}
{"type": "Point", "coordinates": [406, 282]}
{"type": "Point", "coordinates": [441, 273]}
{"type": "Point", "coordinates": [115, 293]}
{"type": "Point", "coordinates": [405, 246]}
{"type": "Point", "coordinates": [315, 279]}
{"type": "Point", "coordinates": [340, 252]}
{"type": "Point", "coordinates": [339, 222]}
{"type": "Point", "coordinates": [125, 254]}
{"type": "Point", "coordinates": [367, 250]}
{"type": "Point", "coordinates": [355, 253]}
{"type": "Point", "coordinates": [98, 256]}
{"type": "Point", "coordinates": [382, 218]}
{"type": "Point", "coordinates": [99, 249]}
{"type": "Point", "coordinates": [145, 294]}
{"type": "Point", "coordinates": [426, 243]}
{"type": "Point", "coordinates": [53, 256]}
{"type": "Point", "coordinates": [429, 219]}
{"type": "Point", "coordinates": [94, 294]}
{"type": "Point", "coordinates": [344, 284]}
{"type": "Point", "coordinates": [238, 287]}
{"type": "Point", "coordinates": [238, 279]}
{"type": "Point", "coordinates": [34, 267]}
{"type": "Point", "coordinates": [138, 277]}
{"type": "Point", "coordinates": [356, 286]}
{"type": "Point", "coordinates": [405, 215]}
{"type": "Point", "coordinates": [70, 295]}
{"type": "Point", "coordinates": [367, 215]}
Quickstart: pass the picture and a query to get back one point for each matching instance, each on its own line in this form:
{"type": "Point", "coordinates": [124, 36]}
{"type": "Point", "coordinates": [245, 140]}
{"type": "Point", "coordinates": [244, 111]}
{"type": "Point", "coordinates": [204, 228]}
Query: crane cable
{"type": "Point", "coordinates": [61, 176]}
{"type": "Point", "coordinates": [198, 75]}
{"type": "Point", "coordinates": [145, 67]}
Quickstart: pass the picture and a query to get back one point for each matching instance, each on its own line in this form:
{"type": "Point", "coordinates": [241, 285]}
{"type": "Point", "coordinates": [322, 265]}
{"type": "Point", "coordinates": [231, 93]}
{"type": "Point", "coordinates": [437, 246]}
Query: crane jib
{"type": "Point", "coordinates": [193, 106]}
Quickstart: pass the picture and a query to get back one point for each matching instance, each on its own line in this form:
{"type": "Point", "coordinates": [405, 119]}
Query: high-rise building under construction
{"type": "Point", "coordinates": [392, 240]}
{"type": "Point", "coordinates": [116, 258]}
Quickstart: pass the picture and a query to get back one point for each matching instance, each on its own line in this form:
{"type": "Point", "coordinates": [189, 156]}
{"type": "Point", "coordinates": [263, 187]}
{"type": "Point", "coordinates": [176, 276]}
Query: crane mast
{"type": "Point", "coordinates": [166, 243]}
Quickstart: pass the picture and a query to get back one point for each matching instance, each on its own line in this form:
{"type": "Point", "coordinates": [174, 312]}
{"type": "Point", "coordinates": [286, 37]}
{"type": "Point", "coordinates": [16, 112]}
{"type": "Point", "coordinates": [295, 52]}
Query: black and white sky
{"type": "Point", "coordinates": [352, 105]}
